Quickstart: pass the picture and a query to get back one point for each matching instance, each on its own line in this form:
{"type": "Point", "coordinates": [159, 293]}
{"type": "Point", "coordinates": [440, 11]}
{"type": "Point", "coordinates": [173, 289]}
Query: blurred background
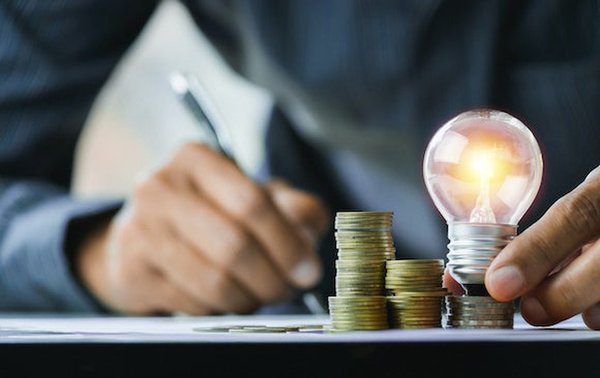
{"type": "Point", "coordinates": [137, 121]}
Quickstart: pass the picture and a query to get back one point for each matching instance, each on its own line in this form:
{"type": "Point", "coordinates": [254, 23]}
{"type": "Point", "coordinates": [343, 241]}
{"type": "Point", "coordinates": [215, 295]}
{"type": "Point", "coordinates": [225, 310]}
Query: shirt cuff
{"type": "Point", "coordinates": [35, 271]}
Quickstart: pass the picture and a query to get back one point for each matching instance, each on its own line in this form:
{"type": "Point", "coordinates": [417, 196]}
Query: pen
{"type": "Point", "coordinates": [196, 99]}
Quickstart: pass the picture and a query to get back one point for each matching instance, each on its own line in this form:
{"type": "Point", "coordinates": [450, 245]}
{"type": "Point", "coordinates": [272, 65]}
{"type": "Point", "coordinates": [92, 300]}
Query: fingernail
{"type": "Point", "coordinates": [507, 281]}
{"type": "Point", "coordinates": [306, 273]}
{"type": "Point", "coordinates": [533, 311]}
{"type": "Point", "coordinates": [593, 174]}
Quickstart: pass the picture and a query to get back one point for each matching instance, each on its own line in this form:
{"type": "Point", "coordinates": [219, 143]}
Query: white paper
{"type": "Point", "coordinates": [27, 328]}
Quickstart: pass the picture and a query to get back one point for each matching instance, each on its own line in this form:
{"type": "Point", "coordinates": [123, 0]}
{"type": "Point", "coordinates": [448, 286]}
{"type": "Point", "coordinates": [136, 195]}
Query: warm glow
{"type": "Point", "coordinates": [482, 211]}
{"type": "Point", "coordinates": [483, 167]}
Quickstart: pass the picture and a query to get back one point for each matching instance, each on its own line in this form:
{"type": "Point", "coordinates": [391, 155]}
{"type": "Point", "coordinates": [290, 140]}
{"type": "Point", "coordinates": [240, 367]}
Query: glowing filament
{"type": "Point", "coordinates": [483, 213]}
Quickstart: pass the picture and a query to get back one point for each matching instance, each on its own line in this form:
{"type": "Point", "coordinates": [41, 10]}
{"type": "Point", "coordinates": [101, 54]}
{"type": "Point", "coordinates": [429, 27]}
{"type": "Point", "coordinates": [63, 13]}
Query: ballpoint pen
{"type": "Point", "coordinates": [197, 101]}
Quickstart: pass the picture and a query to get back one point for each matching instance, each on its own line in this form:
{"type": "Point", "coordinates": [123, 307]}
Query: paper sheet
{"type": "Point", "coordinates": [27, 328]}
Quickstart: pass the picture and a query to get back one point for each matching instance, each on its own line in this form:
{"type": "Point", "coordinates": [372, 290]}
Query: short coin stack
{"type": "Point", "coordinates": [415, 293]}
{"type": "Point", "coordinates": [364, 242]}
{"type": "Point", "coordinates": [479, 312]}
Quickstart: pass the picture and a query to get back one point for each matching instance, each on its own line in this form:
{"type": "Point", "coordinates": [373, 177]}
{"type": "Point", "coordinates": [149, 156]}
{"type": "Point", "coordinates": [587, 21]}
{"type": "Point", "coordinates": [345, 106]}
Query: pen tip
{"type": "Point", "coordinates": [178, 82]}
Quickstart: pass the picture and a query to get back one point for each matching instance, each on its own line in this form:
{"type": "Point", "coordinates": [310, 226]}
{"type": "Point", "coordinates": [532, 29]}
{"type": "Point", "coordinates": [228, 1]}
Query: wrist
{"type": "Point", "coordinates": [89, 262]}
{"type": "Point", "coordinates": [85, 247]}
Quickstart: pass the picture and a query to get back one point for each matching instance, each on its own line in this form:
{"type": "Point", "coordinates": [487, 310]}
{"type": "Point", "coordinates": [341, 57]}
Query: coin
{"type": "Point", "coordinates": [478, 312]}
{"type": "Point", "coordinates": [212, 329]}
{"type": "Point", "coordinates": [258, 329]}
{"type": "Point", "coordinates": [416, 289]}
{"type": "Point", "coordinates": [481, 322]}
{"type": "Point", "coordinates": [472, 312]}
{"type": "Point", "coordinates": [364, 242]}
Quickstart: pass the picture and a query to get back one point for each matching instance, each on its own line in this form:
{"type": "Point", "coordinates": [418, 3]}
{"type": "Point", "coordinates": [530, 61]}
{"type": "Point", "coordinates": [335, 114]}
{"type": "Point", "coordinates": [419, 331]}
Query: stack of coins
{"type": "Point", "coordinates": [359, 278]}
{"type": "Point", "coordinates": [365, 235]}
{"type": "Point", "coordinates": [364, 242]}
{"type": "Point", "coordinates": [358, 313]}
{"type": "Point", "coordinates": [479, 312]}
{"type": "Point", "coordinates": [415, 293]}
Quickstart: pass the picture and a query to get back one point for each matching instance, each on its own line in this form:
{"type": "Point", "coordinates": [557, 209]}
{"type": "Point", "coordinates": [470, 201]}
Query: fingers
{"type": "Point", "coordinates": [170, 299]}
{"type": "Point", "coordinates": [246, 202]}
{"type": "Point", "coordinates": [226, 245]}
{"type": "Point", "coordinates": [137, 287]}
{"type": "Point", "coordinates": [207, 286]}
{"type": "Point", "coordinates": [570, 223]}
{"type": "Point", "coordinates": [566, 293]}
{"type": "Point", "coordinates": [451, 284]}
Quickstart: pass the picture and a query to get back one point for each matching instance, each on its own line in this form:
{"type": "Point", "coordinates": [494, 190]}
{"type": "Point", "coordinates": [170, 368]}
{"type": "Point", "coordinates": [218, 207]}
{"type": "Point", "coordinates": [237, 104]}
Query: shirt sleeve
{"type": "Point", "coordinates": [35, 271]}
{"type": "Point", "coordinates": [54, 58]}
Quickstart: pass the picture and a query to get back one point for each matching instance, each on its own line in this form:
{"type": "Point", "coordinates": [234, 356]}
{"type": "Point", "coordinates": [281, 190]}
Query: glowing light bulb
{"type": "Point", "coordinates": [483, 170]}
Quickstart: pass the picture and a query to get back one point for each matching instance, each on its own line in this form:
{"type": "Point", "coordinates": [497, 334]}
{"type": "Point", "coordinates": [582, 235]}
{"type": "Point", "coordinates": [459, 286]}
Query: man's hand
{"type": "Point", "coordinates": [200, 237]}
{"type": "Point", "coordinates": [555, 264]}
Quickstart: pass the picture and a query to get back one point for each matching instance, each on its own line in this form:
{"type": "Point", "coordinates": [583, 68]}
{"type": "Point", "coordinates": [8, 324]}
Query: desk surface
{"type": "Point", "coordinates": [122, 346]}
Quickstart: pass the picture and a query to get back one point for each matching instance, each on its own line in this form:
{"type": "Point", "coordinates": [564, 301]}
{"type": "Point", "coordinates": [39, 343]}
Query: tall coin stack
{"type": "Point", "coordinates": [415, 293]}
{"type": "Point", "coordinates": [479, 312]}
{"type": "Point", "coordinates": [364, 242]}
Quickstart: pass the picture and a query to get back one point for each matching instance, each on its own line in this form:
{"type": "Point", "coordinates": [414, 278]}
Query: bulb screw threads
{"type": "Point", "coordinates": [473, 247]}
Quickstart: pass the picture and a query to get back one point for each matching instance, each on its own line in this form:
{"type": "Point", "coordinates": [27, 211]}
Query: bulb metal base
{"type": "Point", "coordinates": [473, 247]}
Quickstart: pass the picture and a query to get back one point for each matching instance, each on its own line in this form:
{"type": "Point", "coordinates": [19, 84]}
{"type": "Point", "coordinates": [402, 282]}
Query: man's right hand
{"type": "Point", "coordinates": [200, 237]}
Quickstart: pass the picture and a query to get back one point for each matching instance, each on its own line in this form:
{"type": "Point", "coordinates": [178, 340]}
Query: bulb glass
{"type": "Point", "coordinates": [483, 166]}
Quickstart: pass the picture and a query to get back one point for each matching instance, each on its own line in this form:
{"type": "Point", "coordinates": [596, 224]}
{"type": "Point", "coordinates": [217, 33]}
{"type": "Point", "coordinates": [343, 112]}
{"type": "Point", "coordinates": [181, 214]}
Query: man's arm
{"type": "Point", "coordinates": [54, 58]}
{"type": "Point", "coordinates": [196, 236]}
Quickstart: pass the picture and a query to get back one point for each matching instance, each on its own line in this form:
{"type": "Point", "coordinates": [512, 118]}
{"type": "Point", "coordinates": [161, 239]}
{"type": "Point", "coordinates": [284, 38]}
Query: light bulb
{"type": "Point", "coordinates": [482, 170]}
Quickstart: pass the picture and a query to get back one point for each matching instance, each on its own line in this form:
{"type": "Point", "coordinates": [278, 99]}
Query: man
{"type": "Point", "coordinates": [359, 88]}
